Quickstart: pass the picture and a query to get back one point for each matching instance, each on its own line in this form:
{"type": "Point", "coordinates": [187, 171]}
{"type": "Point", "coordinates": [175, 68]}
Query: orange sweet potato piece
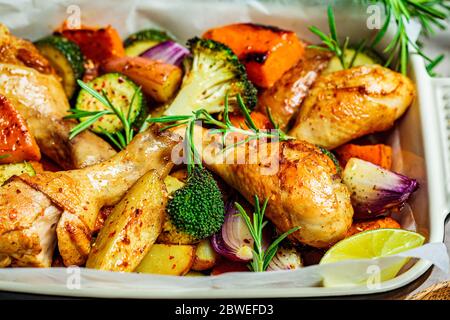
{"type": "Point", "coordinates": [266, 51]}
{"type": "Point", "coordinates": [261, 120]}
{"type": "Point", "coordinates": [378, 154]}
{"type": "Point", "coordinates": [97, 44]}
{"type": "Point", "coordinates": [16, 142]}
{"type": "Point", "coordinates": [380, 223]}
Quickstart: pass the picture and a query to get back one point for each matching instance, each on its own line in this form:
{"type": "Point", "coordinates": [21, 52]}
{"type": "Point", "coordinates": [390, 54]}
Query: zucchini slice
{"type": "Point", "coordinates": [140, 41]}
{"type": "Point", "coordinates": [66, 58]}
{"type": "Point", "coordinates": [366, 57]}
{"type": "Point", "coordinates": [123, 93]}
{"type": "Point", "coordinates": [15, 169]}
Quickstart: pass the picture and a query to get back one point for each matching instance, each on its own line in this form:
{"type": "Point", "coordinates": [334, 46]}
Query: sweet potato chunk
{"type": "Point", "coordinates": [261, 120]}
{"type": "Point", "coordinates": [16, 142]}
{"type": "Point", "coordinates": [97, 44]}
{"type": "Point", "coordinates": [266, 51]}
{"type": "Point", "coordinates": [380, 223]}
{"type": "Point", "coordinates": [378, 154]}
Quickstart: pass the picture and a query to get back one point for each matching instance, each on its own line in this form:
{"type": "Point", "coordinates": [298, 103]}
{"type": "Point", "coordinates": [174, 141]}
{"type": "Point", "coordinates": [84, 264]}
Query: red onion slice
{"type": "Point", "coordinates": [285, 259]}
{"type": "Point", "coordinates": [234, 241]}
{"type": "Point", "coordinates": [375, 189]}
{"type": "Point", "coordinates": [168, 51]}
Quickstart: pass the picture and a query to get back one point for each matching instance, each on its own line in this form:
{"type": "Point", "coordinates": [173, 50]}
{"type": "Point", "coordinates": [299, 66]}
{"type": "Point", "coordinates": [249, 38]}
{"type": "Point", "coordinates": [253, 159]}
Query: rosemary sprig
{"type": "Point", "coordinates": [119, 139]}
{"type": "Point", "coordinates": [429, 13]}
{"type": "Point", "coordinates": [224, 127]}
{"type": "Point", "coordinates": [261, 257]}
{"type": "Point", "coordinates": [331, 42]}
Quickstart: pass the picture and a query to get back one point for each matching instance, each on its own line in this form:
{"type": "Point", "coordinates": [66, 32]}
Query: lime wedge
{"type": "Point", "coordinates": [371, 245]}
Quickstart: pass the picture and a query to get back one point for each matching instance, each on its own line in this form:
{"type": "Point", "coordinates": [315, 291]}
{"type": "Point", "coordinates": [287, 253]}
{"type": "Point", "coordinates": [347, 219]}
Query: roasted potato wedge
{"type": "Point", "coordinates": [157, 79]}
{"type": "Point", "coordinates": [172, 184]}
{"type": "Point", "coordinates": [132, 227]}
{"type": "Point", "coordinates": [175, 260]}
{"type": "Point", "coordinates": [205, 256]}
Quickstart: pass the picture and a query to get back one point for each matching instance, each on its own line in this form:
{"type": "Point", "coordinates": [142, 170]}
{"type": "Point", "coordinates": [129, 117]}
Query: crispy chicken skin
{"type": "Point", "coordinates": [27, 226]}
{"type": "Point", "coordinates": [32, 87]}
{"type": "Point", "coordinates": [284, 98]}
{"type": "Point", "coordinates": [21, 52]}
{"type": "Point", "coordinates": [78, 195]}
{"type": "Point", "coordinates": [351, 103]}
{"type": "Point", "coordinates": [299, 180]}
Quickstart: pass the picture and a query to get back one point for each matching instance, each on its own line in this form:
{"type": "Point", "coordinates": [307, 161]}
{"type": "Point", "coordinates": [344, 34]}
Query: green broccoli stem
{"type": "Point", "coordinates": [190, 97]}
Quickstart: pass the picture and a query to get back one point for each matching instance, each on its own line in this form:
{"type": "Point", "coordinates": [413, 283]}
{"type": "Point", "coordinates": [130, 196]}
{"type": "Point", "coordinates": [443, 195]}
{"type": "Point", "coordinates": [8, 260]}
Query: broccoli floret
{"type": "Point", "coordinates": [214, 72]}
{"type": "Point", "coordinates": [171, 235]}
{"type": "Point", "coordinates": [197, 208]}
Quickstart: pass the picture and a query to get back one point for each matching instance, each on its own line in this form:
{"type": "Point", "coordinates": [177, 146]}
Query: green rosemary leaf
{"type": "Point", "coordinates": [84, 125]}
{"type": "Point", "coordinates": [272, 249]}
{"type": "Point", "coordinates": [248, 119]}
{"type": "Point", "coordinates": [166, 119]}
{"type": "Point", "coordinates": [434, 63]}
{"type": "Point", "coordinates": [121, 139]}
{"type": "Point", "coordinates": [358, 50]}
{"type": "Point", "coordinates": [382, 31]}
{"type": "Point", "coordinates": [111, 138]}
{"type": "Point", "coordinates": [93, 92]}
{"type": "Point", "coordinates": [226, 115]}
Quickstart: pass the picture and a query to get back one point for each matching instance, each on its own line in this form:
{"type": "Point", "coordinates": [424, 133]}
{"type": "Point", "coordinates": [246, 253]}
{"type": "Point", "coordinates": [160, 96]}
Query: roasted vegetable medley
{"type": "Point", "coordinates": [243, 149]}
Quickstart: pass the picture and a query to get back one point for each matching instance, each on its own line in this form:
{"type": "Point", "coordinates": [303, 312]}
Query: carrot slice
{"type": "Point", "coordinates": [97, 44]}
{"type": "Point", "coordinates": [378, 154]}
{"type": "Point", "coordinates": [16, 142]}
{"type": "Point", "coordinates": [266, 51]}
{"type": "Point", "coordinates": [261, 120]}
{"type": "Point", "coordinates": [380, 223]}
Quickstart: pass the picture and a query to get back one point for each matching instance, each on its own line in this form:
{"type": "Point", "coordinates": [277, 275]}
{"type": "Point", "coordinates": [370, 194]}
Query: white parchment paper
{"type": "Point", "coordinates": [36, 18]}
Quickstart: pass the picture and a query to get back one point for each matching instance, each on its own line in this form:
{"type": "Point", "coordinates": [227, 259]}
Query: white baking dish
{"type": "Point", "coordinates": [422, 131]}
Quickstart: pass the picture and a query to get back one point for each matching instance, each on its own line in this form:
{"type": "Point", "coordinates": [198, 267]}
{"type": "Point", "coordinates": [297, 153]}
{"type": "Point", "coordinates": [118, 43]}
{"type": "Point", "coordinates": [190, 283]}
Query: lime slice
{"type": "Point", "coordinates": [371, 245]}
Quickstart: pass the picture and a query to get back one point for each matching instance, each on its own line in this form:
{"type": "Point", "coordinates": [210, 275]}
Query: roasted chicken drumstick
{"type": "Point", "coordinates": [31, 206]}
{"type": "Point", "coordinates": [299, 180]}
{"type": "Point", "coordinates": [349, 104]}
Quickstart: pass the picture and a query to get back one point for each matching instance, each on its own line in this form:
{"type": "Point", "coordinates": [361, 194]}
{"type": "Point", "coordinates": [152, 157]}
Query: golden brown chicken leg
{"type": "Point", "coordinates": [27, 226]}
{"type": "Point", "coordinates": [79, 195]}
{"type": "Point", "coordinates": [351, 103]}
{"type": "Point", "coordinates": [299, 180]}
{"type": "Point", "coordinates": [284, 98]}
